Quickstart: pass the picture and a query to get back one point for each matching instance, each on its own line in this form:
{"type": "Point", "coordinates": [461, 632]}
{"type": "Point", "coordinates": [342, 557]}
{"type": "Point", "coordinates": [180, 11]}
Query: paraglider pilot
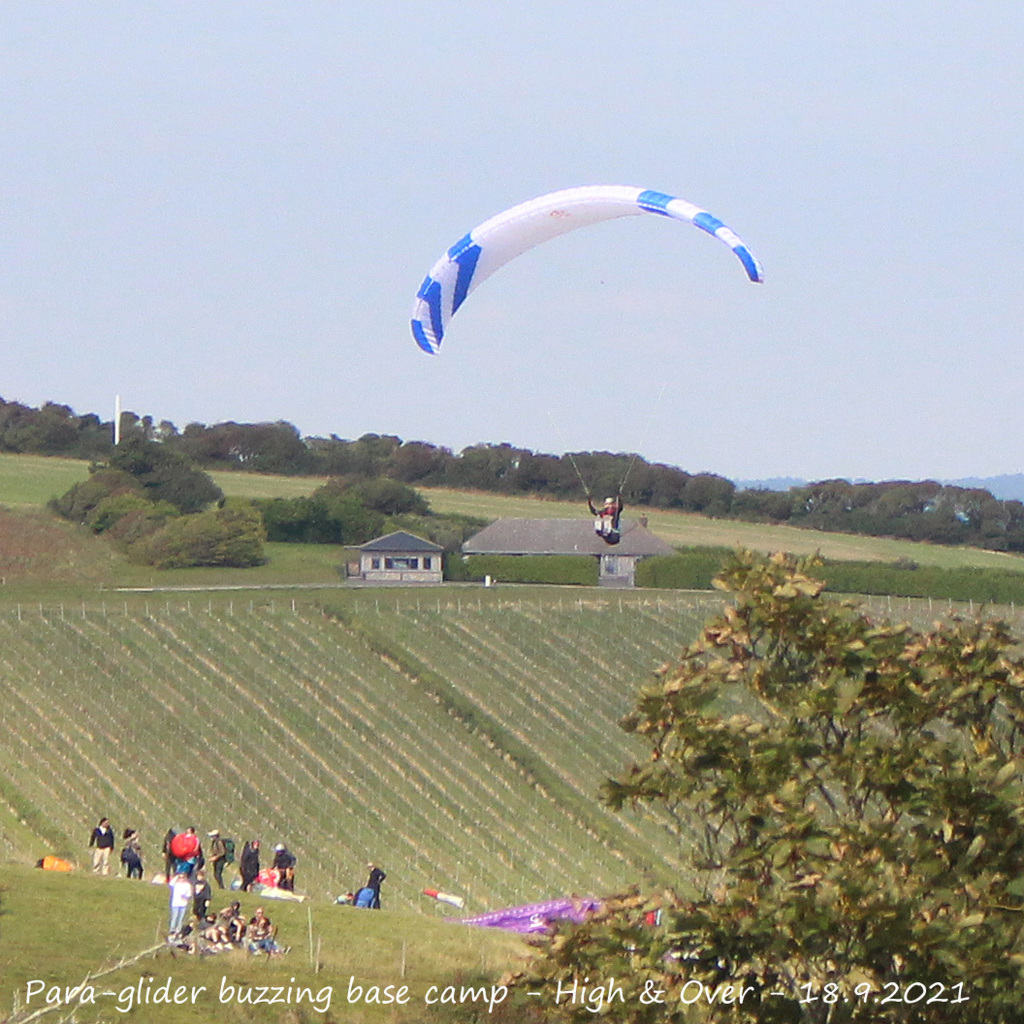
{"type": "Point", "coordinates": [606, 518]}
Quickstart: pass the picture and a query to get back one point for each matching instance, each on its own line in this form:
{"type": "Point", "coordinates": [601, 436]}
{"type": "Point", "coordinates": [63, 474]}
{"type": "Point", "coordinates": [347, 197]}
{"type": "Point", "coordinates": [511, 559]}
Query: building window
{"type": "Point", "coordinates": [374, 563]}
{"type": "Point", "coordinates": [401, 563]}
{"type": "Point", "coordinates": [426, 562]}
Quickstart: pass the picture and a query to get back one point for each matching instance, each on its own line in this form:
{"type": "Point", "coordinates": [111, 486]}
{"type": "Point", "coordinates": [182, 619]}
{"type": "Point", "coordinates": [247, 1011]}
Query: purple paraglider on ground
{"type": "Point", "coordinates": [534, 917]}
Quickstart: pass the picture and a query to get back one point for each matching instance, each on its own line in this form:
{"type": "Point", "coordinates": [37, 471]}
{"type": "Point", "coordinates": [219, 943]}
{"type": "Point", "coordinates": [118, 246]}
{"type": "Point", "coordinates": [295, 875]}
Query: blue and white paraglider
{"type": "Point", "coordinates": [495, 242]}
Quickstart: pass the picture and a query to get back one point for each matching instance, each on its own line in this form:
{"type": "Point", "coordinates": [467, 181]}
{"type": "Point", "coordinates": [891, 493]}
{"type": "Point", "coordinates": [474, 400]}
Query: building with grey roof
{"type": "Point", "coordinates": [617, 562]}
{"type": "Point", "coordinates": [400, 557]}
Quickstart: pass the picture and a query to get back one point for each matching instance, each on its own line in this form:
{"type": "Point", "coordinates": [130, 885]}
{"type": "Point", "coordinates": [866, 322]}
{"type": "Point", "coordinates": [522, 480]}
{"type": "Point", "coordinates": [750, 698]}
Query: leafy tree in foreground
{"type": "Point", "coordinates": [857, 825]}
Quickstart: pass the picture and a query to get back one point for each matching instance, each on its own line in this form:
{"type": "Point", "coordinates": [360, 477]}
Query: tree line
{"type": "Point", "coordinates": [913, 510]}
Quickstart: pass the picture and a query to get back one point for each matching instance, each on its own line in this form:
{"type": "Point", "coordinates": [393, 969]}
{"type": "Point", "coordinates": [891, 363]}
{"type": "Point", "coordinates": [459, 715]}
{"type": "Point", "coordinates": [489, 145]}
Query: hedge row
{"type": "Point", "coordinates": [983, 586]}
{"type": "Point", "coordinates": [578, 570]}
{"type": "Point", "coordinates": [691, 569]}
{"type": "Point", "coordinates": [694, 568]}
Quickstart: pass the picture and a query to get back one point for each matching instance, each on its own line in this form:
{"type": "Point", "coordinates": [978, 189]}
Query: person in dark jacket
{"type": "Point", "coordinates": [131, 853]}
{"type": "Point", "coordinates": [376, 877]}
{"type": "Point", "coordinates": [218, 855]}
{"type": "Point", "coordinates": [168, 856]}
{"type": "Point", "coordinates": [232, 921]}
{"type": "Point", "coordinates": [284, 865]}
{"type": "Point", "coordinates": [102, 840]}
{"type": "Point", "coordinates": [249, 863]}
{"type": "Point", "coordinates": [201, 896]}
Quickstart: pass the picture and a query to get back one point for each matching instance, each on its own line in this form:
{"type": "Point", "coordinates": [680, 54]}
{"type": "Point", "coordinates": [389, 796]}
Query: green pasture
{"type": "Point", "coordinates": [28, 480]}
{"type": "Point", "coordinates": [456, 735]}
{"type": "Point", "coordinates": [88, 566]}
{"type": "Point", "coordinates": [32, 480]}
{"type": "Point", "coordinates": [263, 485]}
{"type": "Point", "coordinates": [60, 929]}
{"type": "Point", "coordinates": [462, 733]}
{"type": "Point", "coordinates": [687, 529]}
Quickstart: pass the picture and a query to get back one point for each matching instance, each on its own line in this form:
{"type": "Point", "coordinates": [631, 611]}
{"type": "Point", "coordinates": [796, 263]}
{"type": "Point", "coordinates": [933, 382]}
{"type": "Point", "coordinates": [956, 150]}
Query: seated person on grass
{"type": "Point", "coordinates": [232, 921]}
{"type": "Point", "coordinates": [214, 933]}
{"type": "Point", "coordinates": [261, 934]}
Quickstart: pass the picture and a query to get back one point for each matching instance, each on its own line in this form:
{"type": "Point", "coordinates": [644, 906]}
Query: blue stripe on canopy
{"type": "Point", "coordinates": [748, 261]}
{"type": "Point", "coordinates": [706, 222]}
{"type": "Point", "coordinates": [466, 261]}
{"type": "Point", "coordinates": [654, 202]}
{"type": "Point", "coordinates": [421, 337]}
{"type": "Point", "coordinates": [430, 292]}
{"type": "Point", "coordinates": [461, 246]}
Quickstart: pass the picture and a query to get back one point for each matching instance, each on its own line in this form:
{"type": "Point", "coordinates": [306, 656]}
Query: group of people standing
{"type": "Point", "coordinates": [185, 863]}
{"type": "Point", "coordinates": [183, 854]}
{"type": "Point", "coordinates": [102, 843]}
{"type": "Point", "coordinates": [282, 868]}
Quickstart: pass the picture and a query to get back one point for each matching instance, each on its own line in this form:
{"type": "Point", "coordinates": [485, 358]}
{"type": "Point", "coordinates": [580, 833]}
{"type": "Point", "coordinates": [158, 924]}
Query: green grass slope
{"type": "Point", "coordinates": [459, 739]}
{"type": "Point", "coordinates": [65, 930]}
{"type": "Point", "coordinates": [28, 480]}
{"type": "Point", "coordinates": [687, 529]}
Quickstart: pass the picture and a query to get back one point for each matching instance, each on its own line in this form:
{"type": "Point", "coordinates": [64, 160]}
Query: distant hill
{"type": "Point", "coordinates": [1005, 487]}
{"type": "Point", "coordinates": [772, 483]}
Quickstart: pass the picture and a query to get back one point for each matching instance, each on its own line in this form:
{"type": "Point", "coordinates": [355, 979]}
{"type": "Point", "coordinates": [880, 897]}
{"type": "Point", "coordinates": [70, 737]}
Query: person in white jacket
{"type": "Point", "coordinates": [181, 899]}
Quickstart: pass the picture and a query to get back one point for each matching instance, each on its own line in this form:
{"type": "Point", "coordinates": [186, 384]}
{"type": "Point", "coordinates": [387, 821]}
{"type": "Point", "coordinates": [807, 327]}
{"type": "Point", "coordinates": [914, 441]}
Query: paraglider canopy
{"type": "Point", "coordinates": [495, 242]}
{"type": "Point", "coordinates": [184, 845]}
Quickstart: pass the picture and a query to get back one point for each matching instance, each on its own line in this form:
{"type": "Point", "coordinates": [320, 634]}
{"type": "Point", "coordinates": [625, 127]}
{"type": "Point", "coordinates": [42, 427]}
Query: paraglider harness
{"type": "Point", "coordinates": [606, 518]}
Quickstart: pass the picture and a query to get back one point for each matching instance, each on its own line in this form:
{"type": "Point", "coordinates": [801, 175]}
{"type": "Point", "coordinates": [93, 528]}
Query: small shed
{"type": "Point", "coordinates": [616, 562]}
{"type": "Point", "coordinates": [401, 557]}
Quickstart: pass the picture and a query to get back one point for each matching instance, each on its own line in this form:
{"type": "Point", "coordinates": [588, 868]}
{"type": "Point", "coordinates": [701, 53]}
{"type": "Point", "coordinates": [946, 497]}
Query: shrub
{"type": "Point", "coordinates": [854, 809]}
{"type": "Point", "coordinates": [79, 501]}
{"type": "Point", "coordinates": [166, 475]}
{"type": "Point", "coordinates": [694, 568]}
{"type": "Point", "coordinates": [392, 497]}
{"type": "Point", "coordinates": [225, 537]}
{"type": "Point", "coordinates": [111, 510]}
{"type": "Point", "coordinates": [322, 518]}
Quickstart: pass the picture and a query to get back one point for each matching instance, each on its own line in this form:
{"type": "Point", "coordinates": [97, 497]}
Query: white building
{"type": "Point", "coordinates": [400, 558]}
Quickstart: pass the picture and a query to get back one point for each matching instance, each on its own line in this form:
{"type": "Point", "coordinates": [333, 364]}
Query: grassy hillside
{"type": "Point", "coordinates": [31, 480]}
{"type": "Point", "coordinates": [38, 547]}
{"type": "Point", "coordinates": [27, 481]}
{"type": "Point", "coordinates": [456, 736]}
{"type": "Point", "coordinates": [687, 529]}
{"type": "Point", "coordinates": [61, 929]}
{"type": "Point", "coordinates": [460, 740]}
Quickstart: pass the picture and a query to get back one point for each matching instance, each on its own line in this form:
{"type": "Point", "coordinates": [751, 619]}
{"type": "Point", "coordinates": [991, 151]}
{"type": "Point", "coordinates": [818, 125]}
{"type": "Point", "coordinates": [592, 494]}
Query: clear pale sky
{"type": "Point", "coordinates": [223, 211]}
